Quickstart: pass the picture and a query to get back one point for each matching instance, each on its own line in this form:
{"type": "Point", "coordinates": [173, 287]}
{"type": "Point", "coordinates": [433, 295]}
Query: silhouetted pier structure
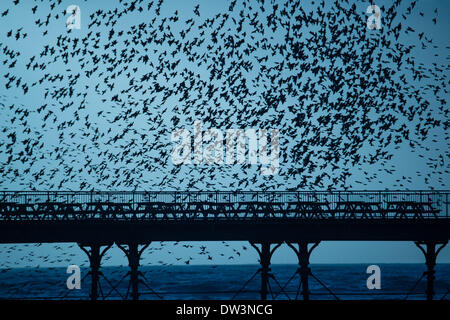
{"type": "Point", "coordinates": [132, 220]}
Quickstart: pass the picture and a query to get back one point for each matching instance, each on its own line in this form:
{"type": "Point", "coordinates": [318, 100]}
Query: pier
{"type": "Point", "coordinates": [133, 220]}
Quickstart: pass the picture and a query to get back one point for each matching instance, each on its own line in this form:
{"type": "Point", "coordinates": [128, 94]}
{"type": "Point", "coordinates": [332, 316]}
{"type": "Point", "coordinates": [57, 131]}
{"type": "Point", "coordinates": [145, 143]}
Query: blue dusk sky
{"type": "Point", "coordinates": [83, 86]}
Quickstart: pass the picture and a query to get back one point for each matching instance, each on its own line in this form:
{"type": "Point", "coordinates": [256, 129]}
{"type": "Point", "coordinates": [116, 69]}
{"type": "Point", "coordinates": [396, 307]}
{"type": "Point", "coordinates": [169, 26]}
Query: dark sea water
{"type": "Point", "coordinates": [346, 281]}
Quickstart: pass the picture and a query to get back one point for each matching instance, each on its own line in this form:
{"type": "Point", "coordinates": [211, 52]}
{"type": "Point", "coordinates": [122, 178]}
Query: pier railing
{"type": "Point", "coordinates": [220, 205]}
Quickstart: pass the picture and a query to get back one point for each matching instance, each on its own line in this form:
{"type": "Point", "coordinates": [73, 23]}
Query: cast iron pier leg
{"type": "Point", "coordinates": [134, 255]}
{"type": "Point", "coordinates": [265, 254]}
{"type": "Point", "coordinates": [428, 248]}
{"type": "Point", "coordinates": [95, 255]}
{"type": "Point", "coordinates": [303, 255]}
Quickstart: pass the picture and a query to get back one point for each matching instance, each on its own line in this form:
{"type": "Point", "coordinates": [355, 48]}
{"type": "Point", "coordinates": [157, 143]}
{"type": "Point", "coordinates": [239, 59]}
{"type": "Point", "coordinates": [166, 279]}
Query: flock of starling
{"type": "Point", "coordinates": [104, 99]}
{"type": "Point", "coordinates": [107, 97]}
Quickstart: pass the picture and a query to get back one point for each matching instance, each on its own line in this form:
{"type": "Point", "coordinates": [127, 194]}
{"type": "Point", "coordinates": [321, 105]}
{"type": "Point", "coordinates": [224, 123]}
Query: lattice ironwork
{"type": "Point", "coordinates": [222, 205]}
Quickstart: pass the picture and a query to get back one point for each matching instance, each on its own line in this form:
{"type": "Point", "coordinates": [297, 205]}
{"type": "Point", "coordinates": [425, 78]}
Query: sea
{"type": "Point", "coordinates": [226, 282]}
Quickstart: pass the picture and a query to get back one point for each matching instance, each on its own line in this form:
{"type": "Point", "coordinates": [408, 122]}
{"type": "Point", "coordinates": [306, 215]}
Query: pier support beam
{"type": "Point", "coordinates": [265, 254]}
{"type": "Point", "coordinates": [303, 254]}
{"type": "Point", "coordinates": [428, 249]}
{"type": "Point", "coordinates": [133, 254]}
{"type": "Point", "coordinates": [95, 255]}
